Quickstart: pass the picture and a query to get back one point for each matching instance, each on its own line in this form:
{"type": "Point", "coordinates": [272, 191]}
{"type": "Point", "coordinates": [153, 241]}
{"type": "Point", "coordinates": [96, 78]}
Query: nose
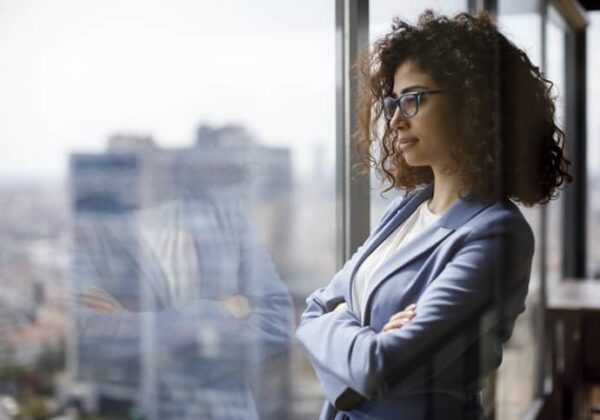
{"type": "Point", "coordinates": [399, 121]}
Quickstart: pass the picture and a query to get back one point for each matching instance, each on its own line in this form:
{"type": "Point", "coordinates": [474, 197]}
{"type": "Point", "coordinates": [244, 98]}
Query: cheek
{"type": "Point", "coordinates": [442, 129]}
{"type": "Point", "coordinates": [434, 131]}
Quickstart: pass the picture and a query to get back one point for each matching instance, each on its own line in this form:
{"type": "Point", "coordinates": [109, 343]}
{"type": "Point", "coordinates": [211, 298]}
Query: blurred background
{"type": "Point", "coordinates": [174, 184]}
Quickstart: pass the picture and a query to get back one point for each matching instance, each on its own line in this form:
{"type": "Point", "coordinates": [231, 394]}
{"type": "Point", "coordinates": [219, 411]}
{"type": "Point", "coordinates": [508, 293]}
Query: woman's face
{"type": "Point", "coordinates": [426, 138]}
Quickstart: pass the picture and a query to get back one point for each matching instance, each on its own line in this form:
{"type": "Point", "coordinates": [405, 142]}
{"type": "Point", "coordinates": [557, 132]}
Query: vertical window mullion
{"type": "Point", "coordinates": [352, 202]}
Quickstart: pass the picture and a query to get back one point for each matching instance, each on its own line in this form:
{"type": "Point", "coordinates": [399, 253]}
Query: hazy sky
{"type": "Point", "coordinates": [73, 72]}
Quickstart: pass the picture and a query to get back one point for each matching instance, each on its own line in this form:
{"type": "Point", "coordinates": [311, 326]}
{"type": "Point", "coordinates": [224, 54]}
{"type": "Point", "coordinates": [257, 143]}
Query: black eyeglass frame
{"type": "Point", "coordinates": [417, 95]}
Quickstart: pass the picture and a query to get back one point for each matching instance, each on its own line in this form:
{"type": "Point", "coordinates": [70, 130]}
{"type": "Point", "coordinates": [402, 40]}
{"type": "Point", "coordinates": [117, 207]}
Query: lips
{"type": "Point", "coordinates": [406, 142]}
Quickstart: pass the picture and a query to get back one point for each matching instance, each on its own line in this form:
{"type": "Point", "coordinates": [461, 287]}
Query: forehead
{"type": "Point", "coordinates": [409, 74]}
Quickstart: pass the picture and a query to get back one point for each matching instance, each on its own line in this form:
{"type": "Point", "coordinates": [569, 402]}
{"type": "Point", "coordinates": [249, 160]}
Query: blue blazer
{"type": "Point", "coordinates": [468, 274]}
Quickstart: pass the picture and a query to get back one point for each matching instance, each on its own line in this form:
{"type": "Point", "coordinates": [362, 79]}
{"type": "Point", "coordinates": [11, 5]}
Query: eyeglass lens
{"type": "Point", "coordinates": [408, 105]}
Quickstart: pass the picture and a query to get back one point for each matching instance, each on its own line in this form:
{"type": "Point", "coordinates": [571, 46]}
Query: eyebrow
{"type": "Point", "coordinates": [410, 89]}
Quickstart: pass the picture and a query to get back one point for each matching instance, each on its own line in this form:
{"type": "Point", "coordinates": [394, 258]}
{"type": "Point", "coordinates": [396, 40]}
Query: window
{"type": "Point", "coordinates": [555, 58]}
{"type": "Point", "coordinates": [593, 135]}
{"type": "Point", "coordinates": [165, 155]}
{"type": "Point", "coordinates": [517, 376]}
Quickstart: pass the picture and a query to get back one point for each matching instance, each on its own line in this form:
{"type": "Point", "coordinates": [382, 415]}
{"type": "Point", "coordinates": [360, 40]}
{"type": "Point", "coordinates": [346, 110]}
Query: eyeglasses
{"type": "Point", "coordinates": [408, 103]}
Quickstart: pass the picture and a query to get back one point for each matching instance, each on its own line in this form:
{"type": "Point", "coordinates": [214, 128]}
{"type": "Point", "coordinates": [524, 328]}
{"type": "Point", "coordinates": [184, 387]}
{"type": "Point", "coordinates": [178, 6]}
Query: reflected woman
{"type": "Point", "coordinates": [181, 296]}
{"type": "Point", "coordinates": [458, 117]}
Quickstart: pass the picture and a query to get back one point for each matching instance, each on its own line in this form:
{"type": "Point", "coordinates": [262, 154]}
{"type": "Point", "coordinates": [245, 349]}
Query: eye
{"type": "Point", "coordinates": [409, 104]}
{"type": "Point", "coordinates": [389, 107]}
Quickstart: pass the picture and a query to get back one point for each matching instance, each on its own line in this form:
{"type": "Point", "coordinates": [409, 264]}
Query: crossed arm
{"type": "Point", "coordinates": [354, 362]}
{"type": "Point", "coordinates": [259, 315]}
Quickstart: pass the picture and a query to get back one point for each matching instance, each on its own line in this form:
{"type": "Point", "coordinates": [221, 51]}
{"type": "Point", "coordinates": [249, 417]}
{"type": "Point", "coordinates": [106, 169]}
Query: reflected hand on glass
{"type": "Point", "coordinates": [100, 300]}
{"type": "Point", "coordinates": [237, 305]}
{"type": "Point", "coordinates": [399, 319]}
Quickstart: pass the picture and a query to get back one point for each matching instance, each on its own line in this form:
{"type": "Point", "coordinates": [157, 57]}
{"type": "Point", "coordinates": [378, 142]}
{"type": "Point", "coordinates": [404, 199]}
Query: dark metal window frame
{"type": "Point", "coordinates": [575, 194]}
{"type": "Point", "coordinates": [352, 193]}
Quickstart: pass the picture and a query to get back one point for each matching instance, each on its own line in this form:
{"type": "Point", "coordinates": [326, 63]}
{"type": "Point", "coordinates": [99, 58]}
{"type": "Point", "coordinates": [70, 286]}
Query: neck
{"type": "Point", "coordinates": [446, 190]}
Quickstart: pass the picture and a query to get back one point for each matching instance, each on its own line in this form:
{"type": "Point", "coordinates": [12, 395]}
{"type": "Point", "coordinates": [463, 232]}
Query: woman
{"type": "Point", "coordinates": [415, 320]}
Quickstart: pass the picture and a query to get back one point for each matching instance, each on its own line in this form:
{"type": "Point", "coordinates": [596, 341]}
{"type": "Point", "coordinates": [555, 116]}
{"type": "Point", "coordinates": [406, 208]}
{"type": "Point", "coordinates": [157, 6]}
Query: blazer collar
{"type": "Point", "coordinates": [457, 215]}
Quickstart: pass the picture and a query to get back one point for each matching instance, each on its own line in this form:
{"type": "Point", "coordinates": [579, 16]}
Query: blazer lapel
{"type": "Point", "coordinates": [457, 215]}
{"type": "Point", "coordinates": [396, 218]}
{"type": "Point", "coordinates": [407, 252]}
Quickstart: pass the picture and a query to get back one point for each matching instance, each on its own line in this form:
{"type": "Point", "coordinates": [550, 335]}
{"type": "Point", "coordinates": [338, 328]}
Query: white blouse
{"type": "Point", "coordinates": [416, 222]}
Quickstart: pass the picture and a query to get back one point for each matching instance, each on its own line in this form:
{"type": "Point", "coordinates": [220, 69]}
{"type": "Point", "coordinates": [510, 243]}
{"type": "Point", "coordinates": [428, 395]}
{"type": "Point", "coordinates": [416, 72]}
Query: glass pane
{"type": "Point", "coordinates": [593, 144]}
{"type": "Point", "coordinates": [517, 376]}
{"type": "Point", "coordinates": [156, 246]}
{"type": "Point", "coordinates": [555, 62]}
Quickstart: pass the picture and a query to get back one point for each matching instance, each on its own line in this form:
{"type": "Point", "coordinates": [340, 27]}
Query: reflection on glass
{"type": "Point", "coordinates": [177, 301]}
{"type": "Point", "coordinates": [133, 227]}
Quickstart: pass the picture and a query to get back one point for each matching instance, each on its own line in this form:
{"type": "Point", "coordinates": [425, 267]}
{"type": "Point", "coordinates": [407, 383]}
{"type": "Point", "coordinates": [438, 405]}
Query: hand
{"type": "Point", "coordinates": [99, 299]}
{"type": "Point", "coordinates": [237, 305]}
{"type": "Point", "coordinates": [399, 319]}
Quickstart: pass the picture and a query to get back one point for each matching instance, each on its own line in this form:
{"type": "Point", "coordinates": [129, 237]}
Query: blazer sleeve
{"type": "Point", "coordinates": [320, 303]}
{"type": "Point", "coordinates": [372, 362]}
{"type": "Point", "coordinates": [323, 301]}
{"type": "Point", "coordinates": [265, 327]}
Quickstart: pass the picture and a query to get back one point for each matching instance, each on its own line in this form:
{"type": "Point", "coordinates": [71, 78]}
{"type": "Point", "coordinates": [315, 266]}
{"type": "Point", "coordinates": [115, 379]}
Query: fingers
{"type": "Point", "coordinates": [408, 312]}
{"type": "Point", "coordinates": [97, 305]}
{"type": "Point", "coordinates": [401, 318]}
{"type": "Point", "coordinates": [97, 299]}
{"type": "Point", "coordinates": [392, 325]}
{"type": "Point", "coordinates": [237, 305]}
{"type": "Point", "coordinates": [94, 293]}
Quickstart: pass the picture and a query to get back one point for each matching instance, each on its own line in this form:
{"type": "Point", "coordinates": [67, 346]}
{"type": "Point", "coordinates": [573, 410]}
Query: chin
{"type": "Point", "coordinates": [415, 162]}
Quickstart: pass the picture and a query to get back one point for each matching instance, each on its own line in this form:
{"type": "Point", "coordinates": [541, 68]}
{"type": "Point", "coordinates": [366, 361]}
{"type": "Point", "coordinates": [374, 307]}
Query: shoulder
{"type": "Point", "coordinates": [501, 219]}
{"type": "Point", "coordinates": [502, 212]}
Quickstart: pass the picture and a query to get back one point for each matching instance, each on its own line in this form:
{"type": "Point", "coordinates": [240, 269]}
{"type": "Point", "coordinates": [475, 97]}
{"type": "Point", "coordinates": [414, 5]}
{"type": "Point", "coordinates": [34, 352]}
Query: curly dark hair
{"type": "Point", "coordinates": [511, 145]}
